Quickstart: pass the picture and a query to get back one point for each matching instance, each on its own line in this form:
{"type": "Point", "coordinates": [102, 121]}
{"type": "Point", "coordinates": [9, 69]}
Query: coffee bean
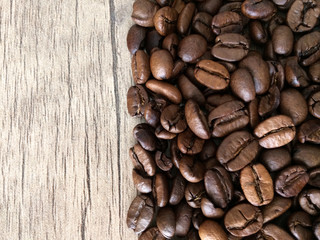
{"type": "Point", "coordinates": [166, 222]}
{"type": "Point", "coordinates": [309, 201]}
{"type": "Point", "coordinates": [160, 190]}
{"type": "Point", "coordinates": [161, 133]}
{"type": "Point", "coordinates": [307, 155]}
{"type": "Point", "coordinates": [137, 98]}
{"type": "Point", "coordinates": [140, 67]}
{"type": "Point", "coordinates": [254, 118]}
{"type": "Point", "coordinates": [316, 228]}
{"type": "Point", "coordinates": [291, 181]}
{"type": "Point", "coordinates": [212, 230]}
{"type": "Point", "coordinates": [201, 24]}
{"type": "Point", "coordinates": [210, 6]}
{"type": "Point", "coordinates": [278, 206]}
{"type": "Point", "coordinates": [144, 134]}
{"type": "Point", "coordinates": [275, 131]}
{"type": "Point", "coordinates": [183, 219]}
{"type": "Point", "coordinates": [140, 213]}
{"type": "Point", "coordinates": [185, 18]}
{"type": "Point", "coordinates": [300, 225]}
{"type": "Point", "coordinates": [269, 102]}
{"type": "Point", "coordinates": [143, 12]}
{"type": "Point", "coordinates": [152, 114]}
{"type": "Point", "coordinates": [282, 40]}
{"type": "Point", "coordinates": [171, 43]}
{"type": "Point", "coordinates": [142, 159]}
{"type": "Point", "coordinates": [209, 150]}
{"type": "Point", "coordinates": [257, 9]}
{"type": "Point", "coordinates": [209, 210]}
{"type": "Point", "coordinates": [165, 20]}
{"type": "Point", "coordinates": [314, 179]}
{"type": "Point", "coordinates": [191, 169]}
{"type": "Point", "coordinates": [165, 89]}
{"type": "Point", "coordinates": [314, 104]}
{"type": "Point", "coordinates": [242, 85]}
{"type": "Point", "coordinates": [277, 74]}
{"type": "Point", "coordinates": [237, 150]}
{"type": "Point", "coordinates": [243, 220]}
{"type": "Point", "coordinates": [143, 184]}
{"type": "Point", "coordinates": [152, 233]}
{"type": "Point", "coordinates": [307, 48]}
{"type": "Point", "coordinates": [177, 191]}
{"type": "Point", "coordinates": [161, 64]}
{"type": "Point", "coordinates": [135, 38]}
{"type": "Point", "coordinates": [194, 193]}
{"type": "Point", "coordinates": [172, 119]}
{"type": "Point", "coordinates": [272, 231]}
{"type": "Point", "coordinates": [189, 90]}
{"type": "Point", "coordinates": [257, 184]}
{"type": "Point", "coordinates": [153, 41]}
{"type": "Point", "coordinates": [214, 100]}
{"type": "Point", "coordinates": [258, 33]}
{"type": "Point", "coordinates": [275, 159]}
{"type": "Point", "coordinates": [192, 47]}
{"type": "Point", "coordinates": [227, 22]}
{"type": "Point", "coordinates": [314, 72]}
{"type": "Point", "coordinates": [163, 162]}
{"type": "Point", "coordinates": [189, 143]}
{"type": "Point", "coordinates": [295, 75]}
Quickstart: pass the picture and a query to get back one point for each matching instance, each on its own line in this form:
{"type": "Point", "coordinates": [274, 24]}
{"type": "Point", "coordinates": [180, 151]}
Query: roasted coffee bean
{"type": "Point", "coordinates": [142, 183]}
{"type": "Point", "coordinates": [212, 74]}
{"type": "Point", "coordinates": [192, 47]}
{"type": "Point", "coordinates": [257, 9]}
{"type": "Point", "coordinates": [163, 162]}
{"type": "Point", "coordinates": [163, 3]}
{"type": "Point", "coordinates": [201, 24]}
{"type": "Point", "coordinates": [209, 210]}
{"type": "Point", "coordinates": [152, 233]}
{"type": "Point", "coordinates": [254, 118]}
{"type": "Point", "coordinates": [230, 47]}
{"type": "Point", "coordinates": [307, 48]}
{"type": "Point", "coordinates": [293, 105]}
{"type": "Point", "coordinates": [309, 201]}
{"type": "Point", "coordinates": [226, 22]}
{"type": "Point", "coordinates": [291, 181]}
{"type": "Point", "coordinates": [272, 231]}
{"type": "Point", "coordinates": [178, 68]}
{"type": "Point", "coordinates": [314, 179]}
{"type": "Point", "coordinates": [165, 89]}
{"type": "Point", "coordinates": [212, 230]}
{"type": "Point", "coordinates": [283, 4]}
{"type": "Point", "coordinates": [219, 187]}
{"type": "Point", "coordinates": [228, 117]}
{"type": "Point", "coordinates": [140, 67]}
{"type": "Point", "coordinates": [197, 218]}
{"type": "Point", "coordinates": [269, 102]}
{"type": "Point", "coordinates": [209, 150]}
{"type": "Point", "coordinates": [277, 74]}
{"type": "Point", "coordinates": [137, 98]}
{"type": "Point", "coordinates": [152, 114]}
{"type": "Point", "coordinates": [237, 150]}
{"type": "Point", "coordinates": [171, 43]}
{"type": "Point", "coordinates": [314, 72]}
{"type": "Point", "coordinates": [153, 41]}
{"type": "Point", "coordinates": [140, 213]}
{"type": "Point", "coordinates": [193, 194]}
{"type": "Point", "coordinates": [172, 119]}
{"type": "Point", "coordinates": [166, 222]}
{"type": "Point", "coordinates": [165, 20]}
{"type": "Point", "coordinates": [282, 40]}
{"type": "Point", "coordinates": [307, 155]}
{"type": "Point", "coordinates": [175, 152]}
{"type": "Point", "coordinates": [161, 64]}
{"type": "Point", "coordinates": [295, 75]}
{"type": "Point", "coordinates": [142, 159]}
{"type": "Point", "coordinates": [257, 32]}
{"type": "Point", "coordinates": [275, 131]}
{"type": "Point", "coordinates": [189, 143]}
{"type": "Point", "coordinates": [183, 219]}
{"type": "Point", "coordinates": [215, 100]}
{"type": "Point", "coordinates": [275, 208]}
{"type": "Point", "coordinates": [316, 228]}
{"type": "Point", "coordinates": [268, 52]}
{"type": "Point", "coordinates": [185, 18]}
{"type": "Point", "coordinates": [314, 104]}
{"type": "Point", "coordinates": [210, 6]}
{"type": "Point", "coordinates": [275, 159]}
{"type": "Point", "coordinates": [160, 190]}
{"type": "Point", "coordinates": [243, 220]}
{"type": "Point", "coordinates": [177, 191]}
{"type": "Point", "coordinates": [276, 20]}
{"type": "Point", "coordinates": [144, 134]}
{"type": "Point", "coordinates": [135, 38]}
{"type": "Point", "coordinates": [161, 133]}
{"type": "Point", "coordinates": [178, 5]}
{"type": "Point", "coordinates": [257, 184]}
{"type": "Point", "coordinates": [143, 12]}
{"type": "Point", "coordinates": [193, 235]}
{"type": "Point", "coordinates": [191, 169]}
{"type": "Point", "coordinates": [300, 225]}
{"type": "Point", "coordinates": [302, 15]}
{"type": "Point", "coordinates": [189, 90]}
{"type": "Point", "coordinates": [196, 120]}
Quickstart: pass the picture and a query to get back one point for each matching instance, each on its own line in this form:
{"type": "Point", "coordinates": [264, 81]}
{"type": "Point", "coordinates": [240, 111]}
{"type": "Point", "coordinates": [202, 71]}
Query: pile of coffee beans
{"type": "Point", "coordinates": [229, 97]}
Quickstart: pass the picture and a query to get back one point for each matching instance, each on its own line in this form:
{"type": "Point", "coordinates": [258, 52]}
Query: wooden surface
{"type": "Point", "coordinates": [65, 132]}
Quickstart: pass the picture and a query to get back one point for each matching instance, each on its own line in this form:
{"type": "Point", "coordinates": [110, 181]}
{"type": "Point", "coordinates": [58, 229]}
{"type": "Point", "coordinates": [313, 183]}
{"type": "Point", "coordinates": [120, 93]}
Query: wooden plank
{"type": "Point", "coordinates": [65, 133]}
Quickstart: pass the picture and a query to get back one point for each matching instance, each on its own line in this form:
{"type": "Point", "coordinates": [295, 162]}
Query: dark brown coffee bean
{"type": "Point", "coordinates": [165, 89]}
{"type": "Point", "coordinates": [237, 150]}
{"type": "Point", "coordinates": [302, 15]}
{"type": "Point", "coordinates": [277, 74]}
{"type": "Point", "coordinates": [219, 186]}
{"type": "Point", "coordinates": [201, 24]}
{"type": "Point", "coordinates": [196, 120]}
{"type": "Point", "coordinates": [277, 207]}
{"type": "Point", "coordinates": [163, 162]}
{"type": "Point", "coordinates": [197, 218]}
{"type": "Point", "coordinates": [314, 72]}
{"type": "Point", "coordinates": [230, 47]}
{"type": "Point", "coordinates": [314, 179]}
{"type": "Point", "coordinates": [142, 159]}
{"type": "Point", "coordinates": [293, 105]}
{"type": "Point", "coordinates": [210, 6]}
{"type": "Point", "coordinates": [300, 225]}
{"type": "Point", "coordinates": [227, 22]}
{"type": "Point", "coordinates": [135, 38]}
{"type": "Point", "coordinates": [275, 131]}
{"type": "Point", "coordinates": [161, 133]}
{"type": "Point", "coordinates": [314, 104]}
{"type": "Point", "coordinates": [307, 155]}
{"type": "Point", "coordinates": [165, 20]}
{"type": "Point", "coordinates": [272, 231]}
{"type": "Point", "coordinates": [142, 183]}
{"type": "Point", "coordinates": [183, 219]}
{"type": "Point", "coordinates": [191, 169]}
{"type": "Point", "coordinates": [211, 230]}
{"type": "Point", "coordinates": [178, 5]}
{"type": "Point", "coordinates": [189, 143]}
{"type": "Point", "coordinates": [257, 184]}
{"type": "Point", "coordinates": [163, 3]}
{"type": "Point", "coordinates": [283, 4]}
{"type": "Point", "coordinates": [144, 134]}
{"type": "Point", "coordinates": [172, 119]}
{"type": "Point", "coordinates": [243, 220]}
{"type": "Point", "coordinates": [166, 222]}
{"type": "Point", "coordinates": [268, 52]}
{"type": "Point", "coordinates": [209, 210]}
{"type": "Point", "coordinates": [258, 9]}
{"type": "Point", "coordinates": [276, 20]}
{"type": "Point", "coordinates": [295, 75]}
{"type": "Point", "coordinates": [215, 100]}
{"type": "Point", "coordinates": [140, 67]}
{"type": "Point", "coordinates": [259, 71]}
{"type": "Point", "coordinates": [140, 213]}
{"type": "Point", "coordinates": [193, 235]}
{"type": "Point", "coordinates": [137, 98]}
{"type": "Point", "coordinates": [316, 228]}
{"type": "Point", "coordinates": [161, 64]}
{"type": "Point", "coordinates": [228, 117]}
{"type": "Point", "coordinates": [291, 181]}
{"type": "Point", "coordinates": [307, 48]}
{"type": "Point", "coordinates": [209, 150]}
{"type": "Point", "coordinates": [282, 40]}
{"type": "Point", "coordinates": [269, 102]}
{"type": "Point", "coordinates": [193, 194]}
{"type": "Point", "coordinates": [254, 118]}
{"type": "Point", "coordinates": [152, 233]}
{"type": "Point", "coordinates": [309, 201]}
{"type": "Point", "coordinates": [192, 47]}
{"type": "Point", "coordinates": [171, 43]}
{"type": "Point", "coordinates": [175, 152]}
{"type": "Point", "coordinates": [160, 190]}
{"type": "Point", "coordinates": [258, 33]}
{"type": "Point", "coordinates": [189, 90]}
{"type": "Point", "coordinates": [185, 18]}
{"type": "Point", "coordinates": [152, 114]}
{"type": "Point", "coordinates": [153, 41]}
{"type": "Point", "coordinates": [275, 159]}
{"type": "Point", "coordinates": [143, 12]}
{"type": "Point", "coordinates": [177, 191]}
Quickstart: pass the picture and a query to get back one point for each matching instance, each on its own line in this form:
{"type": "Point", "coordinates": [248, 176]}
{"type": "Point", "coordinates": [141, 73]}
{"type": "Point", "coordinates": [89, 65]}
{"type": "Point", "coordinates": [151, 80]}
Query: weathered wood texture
{"type": "Point", "coordinates": [65, 133]}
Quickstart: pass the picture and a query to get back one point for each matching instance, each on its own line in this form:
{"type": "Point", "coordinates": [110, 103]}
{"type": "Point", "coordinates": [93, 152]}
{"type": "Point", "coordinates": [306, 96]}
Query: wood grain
{"type": "Point", "coordinates": [65, 132]}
